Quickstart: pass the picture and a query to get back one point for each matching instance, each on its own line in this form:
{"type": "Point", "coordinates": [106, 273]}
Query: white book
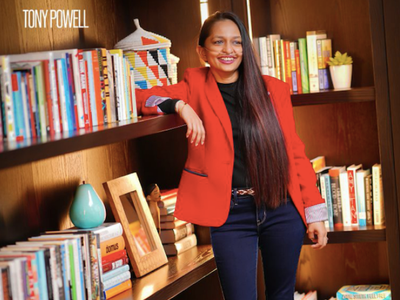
{"type": "Point", "coordinates": [134, 108]}
{"type": "Point", "coordinates": [53, 267]}
{"type": "Point", "coordinates": [378, 206]}
{"type": "Point", "coordinates": [77, 81]}
{"type": "Point", "coordinates": [262, 43]}
{"type": "Point", "coordinates": [312, 37]}
{"type": "Point", "coordinates": [362, 213]}
{"type": "Point", "coordinates": [6, 96]}
{"type": "Point", "coordinates": [15, 277]}
{"type": "Point", "coordinates": [344, 191]}
{"type": "Point", "coordinates": [270, 53]}
{"type": "Point", "coordinates": [110, 71]}
{"type": "Point", "coordinates": [117, 280]}
{"type": "Point", "coordinates": [323, 195]}
{"type": "Point", "coordinates": [87, 56]}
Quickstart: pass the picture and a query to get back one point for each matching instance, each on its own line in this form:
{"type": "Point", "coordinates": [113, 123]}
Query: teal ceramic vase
{"type": "Point", "coordinates": [87, 209]}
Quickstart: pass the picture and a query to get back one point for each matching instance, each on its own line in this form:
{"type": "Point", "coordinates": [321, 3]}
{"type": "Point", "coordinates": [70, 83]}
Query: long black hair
{"type": "Point", "coordinates": [262, 140]}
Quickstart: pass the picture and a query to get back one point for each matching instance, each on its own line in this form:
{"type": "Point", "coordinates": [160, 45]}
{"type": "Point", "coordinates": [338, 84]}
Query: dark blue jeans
{"type": "Point", "coordinates": [278, 233]}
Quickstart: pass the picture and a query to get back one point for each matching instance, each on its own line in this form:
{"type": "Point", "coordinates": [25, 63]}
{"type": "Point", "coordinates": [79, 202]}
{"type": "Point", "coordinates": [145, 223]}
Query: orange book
{"type": "Point", "coordinates": [126, 285]}
{"type": "Point", "coordinates": [97, 87]}
{"type": "Point", "coordinates": [288, 65]}
{"type": "Point", "coordinates": [298, 71]}
{"type": "Point", "coordinates": [111, 246]}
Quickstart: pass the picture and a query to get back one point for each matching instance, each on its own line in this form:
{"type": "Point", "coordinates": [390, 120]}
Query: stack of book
{"type": "Point", "coordinates": [301, 63]}
{"type": "Point", "coordinates": [66, 265]}
{"type": "Point", "coordinates": [311, 295]}
{"type": "Point", "coordinates": [176, 235]}
{"type": "Point", "coordinates": [353, 195]}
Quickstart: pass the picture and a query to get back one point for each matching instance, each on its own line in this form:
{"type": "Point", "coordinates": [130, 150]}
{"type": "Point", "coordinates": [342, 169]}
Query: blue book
{"type": "Point", "coordinates": [326, 79]}
{"type": "Point", "coordinates": [294, 81]}
{"type": "Point", "coordinates": [28, 106]}
{"type": "Point", "coordinates": [18, 106]}
{"type": "Point", "coordinates": [329, 204]}
{"type": "Point", "coordinates": [68, 99]}
{"type": "Point", "coordinates": [111, 274]}
{"type": "Point", "coordinates": [321, 79]}
{"type": "Point", "coordinates": [42, 275]}
{"type": "Point", "coordinates": [87, 55]}
{"type": "Point", "coordinates": [71, 90]}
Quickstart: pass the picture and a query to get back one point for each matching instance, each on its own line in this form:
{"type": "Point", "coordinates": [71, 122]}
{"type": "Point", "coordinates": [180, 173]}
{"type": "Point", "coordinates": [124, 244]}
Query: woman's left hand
{"type": "Point", "coordinates": [317, 234]}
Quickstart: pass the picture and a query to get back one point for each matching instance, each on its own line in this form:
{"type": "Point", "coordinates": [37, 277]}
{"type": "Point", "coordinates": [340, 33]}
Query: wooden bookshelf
{"type": "Point", "coordinates": [180, 273]}
{"type": "Point", "coordinates": [361, 94]}
{"type": "Point", "coordinates": [16, 153]}
{"type": "Point", "coordinates": [354, 235]}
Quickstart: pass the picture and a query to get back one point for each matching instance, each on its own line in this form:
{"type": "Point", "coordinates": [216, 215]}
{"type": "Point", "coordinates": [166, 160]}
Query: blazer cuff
{"type": "Point", "coordinates": [154, 101]}
{"type": "Point", "coordinates": [316, 213]}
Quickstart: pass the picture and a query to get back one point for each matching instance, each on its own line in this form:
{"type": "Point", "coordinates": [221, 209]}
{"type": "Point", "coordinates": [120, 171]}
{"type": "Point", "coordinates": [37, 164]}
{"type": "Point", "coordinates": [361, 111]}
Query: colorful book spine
{"type": "Point", "coordinates": [126, 285]}
{"type": "Point", "coordinates": [96, 61]}
{"type": "Point", "coordinates": [344, 190]}
{"type": "Point", "coordinates": [111, 113]}
{"type": "Point", "coordinates": [17, 104]}
{"type": "Point", "coordinates": [49, 101]}
{"type": "Point", "coordinates": [63, 99]}
{"type": "Point", "coordinates": [114, 281]}
{"type": "Point", "coordinates": [378, 206]}
{"type": "Point", "coordinates": [312, 61]}
{"type": "Point", "coordinates": [73, 105]}
{"type": "Point", "coordinates": [115, 272]}
{"type": "Point", "coordinates": [326, 54]}
{"type": "Point", "coordinates": [351, 174]}
{"type": "Point", "coordinates": [369, 199]}
{"type": "Point", "coordinates": [262, 47]}
{"type": "Point", "coordinates": [321, 65]}
{"type": "Point", "coordinates": [361, 204]}
{"type": "Point", "coordinates": [69, 100]}
{"type": "Point", "coordinates": [270, 53]}
{"type": "Point", "coordinates": [327, 196]}
{"type": "Point", "coordinates": [115, 264]}
{"type": "Point", "coordinates": [7, 101]}
{"type": "Point", "coordinates": [334, 174]}
{"type": "Point", "coordinates": [111, 246]}
{"type": "Point", "coordinates": [277, 57]}
{"type": "Point", "coordinates": [84, 90]}
{"type": "Point", "coordinates": [283, 61]}
{"type": "Point", "coordinates": [305, 85]}
{"type": "Point", "coordinates": [87, 55]}
{"type": "Point", "coordinates": [293, 48]}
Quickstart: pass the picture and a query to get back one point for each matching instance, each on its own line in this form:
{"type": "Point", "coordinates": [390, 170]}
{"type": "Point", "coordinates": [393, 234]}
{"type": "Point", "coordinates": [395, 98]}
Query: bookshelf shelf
{"type": "Point", "coordinates": [355, 235]}
{"type": "Point", "coordinates": [180, 273]}
{"type": "Point", "coordinates": [16, 153]}
{"type": "Point", "coordinates": [363, 94]}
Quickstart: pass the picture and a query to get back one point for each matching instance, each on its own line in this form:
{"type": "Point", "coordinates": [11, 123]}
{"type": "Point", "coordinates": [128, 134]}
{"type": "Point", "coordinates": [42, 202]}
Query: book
{"type": "Point", "coordinates": [270, 54]}
{"type": "Point", "coordinates": [126, 285]}
{"type": "Point", "coordinates": [293, 48]}
{"type": "Point", "coordinates": [113, 245]}
{"type": "Point", "coordinates": [368, 199]}
{"type": "Point", "coordinates": [114, 260]}
{"type": "Point", "coordinates": [361, 202]}
{"type": "Point", "coordinates": [326, 54]}
{"type": "Point", "coordinates": [106, 231]}
{"type": "Point", "coordinates": [351, 174]}
{"type": "Point", "coordinates": [173, 235]}
{"type": "Point", "coordinates": [6, 98]}
{"type": "Point", "coordinates": [378, 206]}
{"type": "Point", "coordinates": [326, 193]}
{"type": "Point", "coordinates": [277, 59]}
{"type": "Point", "coordinates": [312, 37]}
{"type": "Point", "coordinates": [375, 291]}
{"type": "Point", "coordinates": [344, 192]}
{"type": "Point", "coordinates": [305, 85]}
{"type": "Point", "coordinates": [168, 198]}
{"type": "Point", "coordinates": [87, 57]}
{"type": "Point", "coordinates": [167, 218]}
{"type": "Point", "coordinates": [336, 195]}
{"type": "Point", "coordinates": [262, 48]}
{"type": "Point", "coordinates": [115, 280]}
{"type": "Point", "coordinates": [318, 163]}
{"type": "Point", "coordinates": [170, 225]}
{"type": "Point", "coordinates": [115, 272]}
{"type": "Point", "coordinates": [298, 72]}
{"type": "Point", "coordinates": [181, 245]}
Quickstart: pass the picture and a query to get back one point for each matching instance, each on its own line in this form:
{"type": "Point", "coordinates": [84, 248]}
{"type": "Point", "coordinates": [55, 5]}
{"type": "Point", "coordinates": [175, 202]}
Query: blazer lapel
{"type": "Point", "coordinates": [217, 104]}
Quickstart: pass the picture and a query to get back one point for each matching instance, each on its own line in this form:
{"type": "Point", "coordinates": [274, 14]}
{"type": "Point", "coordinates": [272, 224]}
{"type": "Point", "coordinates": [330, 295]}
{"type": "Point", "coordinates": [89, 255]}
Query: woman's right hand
{"type": "Point", "coordinates": [194, 124]}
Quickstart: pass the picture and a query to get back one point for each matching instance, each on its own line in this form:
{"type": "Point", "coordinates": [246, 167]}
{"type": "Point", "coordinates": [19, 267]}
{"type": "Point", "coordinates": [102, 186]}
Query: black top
{"type": "Point", "coordinates": [228, 92]}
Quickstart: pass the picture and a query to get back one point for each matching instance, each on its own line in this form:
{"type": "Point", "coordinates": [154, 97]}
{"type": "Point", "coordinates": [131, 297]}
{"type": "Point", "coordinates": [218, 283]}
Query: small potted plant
{"type": "Point", "coordinates": [340, 67]}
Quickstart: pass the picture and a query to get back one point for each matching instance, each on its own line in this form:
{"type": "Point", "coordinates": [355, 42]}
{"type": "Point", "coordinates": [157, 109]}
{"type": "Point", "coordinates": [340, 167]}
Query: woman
{"type": "Point", "coordinates": [246, 175]}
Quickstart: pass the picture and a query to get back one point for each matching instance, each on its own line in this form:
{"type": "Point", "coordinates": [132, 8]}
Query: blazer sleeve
{"type": "Point", "coordinates": [147, 101]}
{"type": "Point", "coordinates": [314, 204]}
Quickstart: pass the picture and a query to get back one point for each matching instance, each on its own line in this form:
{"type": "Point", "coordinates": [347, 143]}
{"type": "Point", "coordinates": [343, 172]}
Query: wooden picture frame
{"type": "Point", "coordinates": [143, 244]}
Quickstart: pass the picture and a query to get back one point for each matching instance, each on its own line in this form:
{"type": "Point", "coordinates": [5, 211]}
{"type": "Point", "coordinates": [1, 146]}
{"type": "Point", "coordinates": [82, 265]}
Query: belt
{"type": "Point", "coordinates": [241, 192]}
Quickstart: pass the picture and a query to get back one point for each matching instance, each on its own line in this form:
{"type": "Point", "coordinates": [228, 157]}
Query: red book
{"type": "Point", "coordinates": [48, 96]}
{"type": "Point", "coordinates": [113, 256]}
{"type": "Point", "coordinates": [298, 71]}
{"type": "Point", "coordinates": [111, 265]}
{"type": "Point", "coordinates": [351, 175]}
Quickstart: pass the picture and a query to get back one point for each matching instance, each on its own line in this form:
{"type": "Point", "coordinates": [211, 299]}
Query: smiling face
{"type": "Point", "coordinates": [223, 51]}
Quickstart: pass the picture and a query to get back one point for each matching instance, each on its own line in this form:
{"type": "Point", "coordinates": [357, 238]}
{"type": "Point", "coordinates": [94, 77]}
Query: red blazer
{"type": "Point", "coordinates": [205, 187]}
